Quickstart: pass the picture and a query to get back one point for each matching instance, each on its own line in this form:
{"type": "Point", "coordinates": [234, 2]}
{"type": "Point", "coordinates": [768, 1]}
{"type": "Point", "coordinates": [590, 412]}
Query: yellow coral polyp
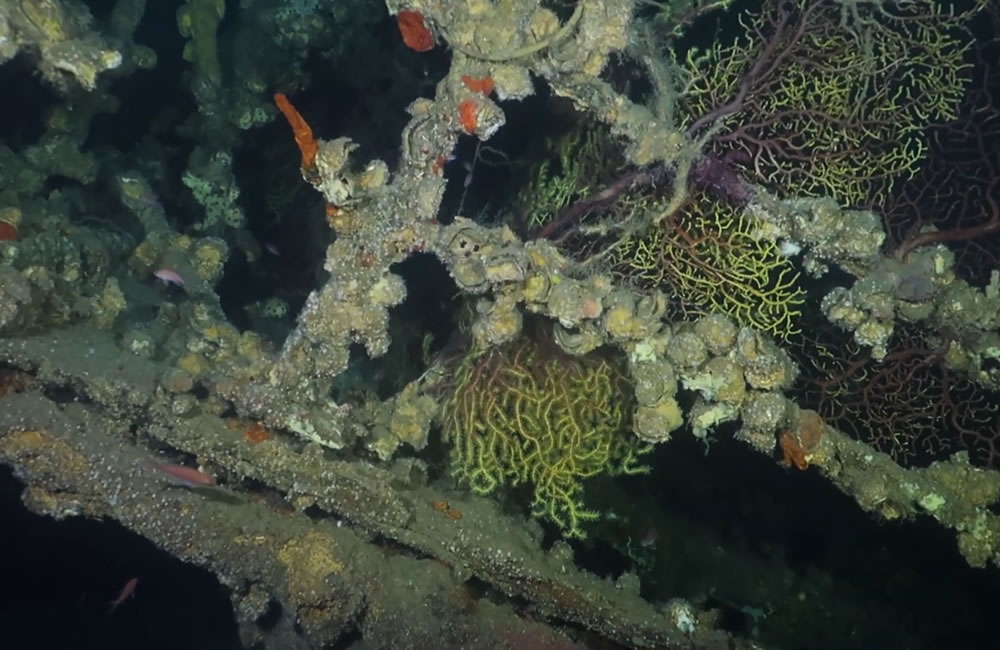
{"type": "Point", "coordinates": [524, 415]}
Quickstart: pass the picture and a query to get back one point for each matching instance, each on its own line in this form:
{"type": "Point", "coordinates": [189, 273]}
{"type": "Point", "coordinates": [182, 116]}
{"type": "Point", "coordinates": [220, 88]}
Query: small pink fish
{"type": "Point", "coordinates": [169, 276]}
{"type": "Point", "coordinates": [184, 475]}
{"type": "Point", "coordinates": [127, 592]}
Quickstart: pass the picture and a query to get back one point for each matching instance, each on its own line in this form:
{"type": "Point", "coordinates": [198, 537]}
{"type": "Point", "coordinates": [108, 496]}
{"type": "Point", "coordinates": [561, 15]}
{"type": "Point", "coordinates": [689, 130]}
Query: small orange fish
{"type": "Point", "coordinates": [184, 475]}
{"type": "Point", "coordinates": [127, 592]}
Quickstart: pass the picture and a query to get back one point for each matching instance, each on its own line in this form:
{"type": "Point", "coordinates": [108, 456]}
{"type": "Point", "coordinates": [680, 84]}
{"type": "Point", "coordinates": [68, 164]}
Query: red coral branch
{"type": "Point", "coordinates": [909, 405]}
{"type": "Point", "coordinates": [957, 193]}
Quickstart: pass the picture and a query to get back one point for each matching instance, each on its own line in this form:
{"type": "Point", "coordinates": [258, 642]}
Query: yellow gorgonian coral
{"type": "Point", "coordinates": [574, 165]}
{"type": "Point", "coordinates": [826, 98]}
{"type": "Point", "coordinates": [525, 414]}
{"type": "Point", "coordinates": [709, 257]}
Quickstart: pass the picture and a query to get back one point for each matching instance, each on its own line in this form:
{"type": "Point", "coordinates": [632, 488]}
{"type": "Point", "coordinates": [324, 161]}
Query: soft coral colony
{"type": "Point", "coordinates": [734, 244]}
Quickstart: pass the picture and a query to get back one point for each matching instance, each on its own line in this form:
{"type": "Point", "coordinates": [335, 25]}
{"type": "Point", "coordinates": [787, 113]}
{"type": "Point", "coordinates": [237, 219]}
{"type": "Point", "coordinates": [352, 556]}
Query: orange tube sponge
{"type": "Point", "coordinates": [303, 134]}
{"type": "Point", "coordinates": [414, 30]}
{"type": "Point", "coordinates": [484, 85]}
{"type": "Point", "coordinates": [468, 115]}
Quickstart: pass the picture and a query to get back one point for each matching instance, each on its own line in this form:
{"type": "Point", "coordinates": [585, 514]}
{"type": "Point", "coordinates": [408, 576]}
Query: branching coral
{"type": "Point", "coordinates": [527, 415]}
{"type": "Point", "coordinates": [713, 261]}
{"type": "Point", "coordinates": [909, 405]}
{"type": "Point", "coordinates": [576, 162]}
{"type": "Point", "coordinates": [708, 254]}
{"type": "Point", "coordinates": [817, 101]}
{"type": "Point", "coordinates": [955, 198]}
